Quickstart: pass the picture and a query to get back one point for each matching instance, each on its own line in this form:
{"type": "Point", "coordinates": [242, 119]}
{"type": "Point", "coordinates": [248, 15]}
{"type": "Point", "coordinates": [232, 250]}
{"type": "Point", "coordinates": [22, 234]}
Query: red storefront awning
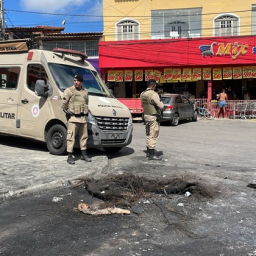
{"type": "Point", "coordinates": [214, 51]}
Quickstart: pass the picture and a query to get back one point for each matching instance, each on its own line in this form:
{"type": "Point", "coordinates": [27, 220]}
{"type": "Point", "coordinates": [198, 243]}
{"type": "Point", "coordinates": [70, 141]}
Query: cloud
{"type": "Point", "coordinates": [95, 10]}
{"type": "Point", "coordinates": [52, 6]}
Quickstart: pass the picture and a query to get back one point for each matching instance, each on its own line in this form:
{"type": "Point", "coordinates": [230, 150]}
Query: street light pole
{"type": "Point", "coordinates": [2, 24]}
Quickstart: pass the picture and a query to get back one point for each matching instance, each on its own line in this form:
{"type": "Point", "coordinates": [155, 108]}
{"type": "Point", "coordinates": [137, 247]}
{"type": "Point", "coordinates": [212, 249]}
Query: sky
{"type": "Point", "coordinates": [79, 15]}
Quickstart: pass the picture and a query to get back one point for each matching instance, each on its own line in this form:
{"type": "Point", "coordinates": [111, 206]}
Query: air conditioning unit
{"type": "Point", "coordinates": [174, 34]}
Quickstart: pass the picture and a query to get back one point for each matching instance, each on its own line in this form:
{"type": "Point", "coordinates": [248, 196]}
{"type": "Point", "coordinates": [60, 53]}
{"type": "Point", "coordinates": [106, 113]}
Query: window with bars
{"type": "Point", "coordinates": [89, 47]}
{"type": "Point", "coordinates": [127, 30]}
{"type": "Point", "coordinates": [176, 23]}
{"type": "Point", "coordinates": [226, 25]}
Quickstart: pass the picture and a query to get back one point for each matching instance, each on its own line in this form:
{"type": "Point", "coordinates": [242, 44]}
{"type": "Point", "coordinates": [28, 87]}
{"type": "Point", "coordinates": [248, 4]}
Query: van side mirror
{"type": "Point", "coordinates": [41, 89]}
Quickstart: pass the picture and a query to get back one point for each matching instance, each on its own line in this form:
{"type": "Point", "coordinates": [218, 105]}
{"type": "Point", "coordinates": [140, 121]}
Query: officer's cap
{"type": "Point", "coordinates": [79, 78]}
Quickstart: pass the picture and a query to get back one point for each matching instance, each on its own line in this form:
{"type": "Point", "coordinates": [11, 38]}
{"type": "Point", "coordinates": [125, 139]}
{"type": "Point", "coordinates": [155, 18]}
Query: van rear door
{"type": "Point", "coordinates": [9, 97]}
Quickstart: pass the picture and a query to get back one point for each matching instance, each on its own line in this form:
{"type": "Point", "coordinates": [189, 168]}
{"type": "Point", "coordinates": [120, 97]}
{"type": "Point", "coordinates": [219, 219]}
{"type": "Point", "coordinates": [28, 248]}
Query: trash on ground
{"type": "Point", "coordinates": [187, 194]}
{"type": "Point", "coordinates": [57, 199]}
{"type": "Point", "coordinates": [68, 194]}
{"type": "Point", "coordinates": [86, 208]}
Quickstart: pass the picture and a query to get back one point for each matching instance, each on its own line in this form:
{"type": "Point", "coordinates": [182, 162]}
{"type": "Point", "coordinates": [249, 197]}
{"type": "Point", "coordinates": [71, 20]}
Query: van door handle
{"type": "Point", "coordinates": [25, 101]}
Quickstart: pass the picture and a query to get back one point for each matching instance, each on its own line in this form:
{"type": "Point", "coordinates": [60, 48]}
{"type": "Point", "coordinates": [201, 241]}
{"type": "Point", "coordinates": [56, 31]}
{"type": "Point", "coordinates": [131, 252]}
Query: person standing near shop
{"type": "Point", "coordinates": [223, 97]}
{"type": "Point", "coordinates": [247, 95]}
{"type": "Point", "coordinates": [75, 104]}
{"type": "Point", "coordinates": [152, 107]}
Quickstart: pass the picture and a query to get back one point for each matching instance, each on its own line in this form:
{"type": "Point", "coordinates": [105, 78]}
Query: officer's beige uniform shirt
{"type": "Point", "coordinates": [75, 124]}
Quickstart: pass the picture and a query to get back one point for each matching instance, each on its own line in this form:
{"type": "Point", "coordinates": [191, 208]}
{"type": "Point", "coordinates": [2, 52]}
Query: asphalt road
{"type": "Point", "coordinates": [217, 155]}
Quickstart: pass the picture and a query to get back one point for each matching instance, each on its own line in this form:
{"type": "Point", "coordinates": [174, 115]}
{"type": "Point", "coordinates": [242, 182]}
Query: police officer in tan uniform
{"type": "Point", "coordinates": [152, 107]}
{"type": "Point", "coordinates": [75, 105]}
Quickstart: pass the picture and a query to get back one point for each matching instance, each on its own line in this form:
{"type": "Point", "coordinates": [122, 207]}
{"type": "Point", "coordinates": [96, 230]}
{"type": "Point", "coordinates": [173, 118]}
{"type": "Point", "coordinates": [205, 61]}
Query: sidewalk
{"type": "Point", "coordinates": [24, 170]}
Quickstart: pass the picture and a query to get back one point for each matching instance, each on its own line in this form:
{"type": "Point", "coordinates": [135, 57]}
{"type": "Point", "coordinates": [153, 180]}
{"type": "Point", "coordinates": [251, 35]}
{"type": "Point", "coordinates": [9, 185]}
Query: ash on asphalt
{"type": "Point", "coordinates": [36, 225]}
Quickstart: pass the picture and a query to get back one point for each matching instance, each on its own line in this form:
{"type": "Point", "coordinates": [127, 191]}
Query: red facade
{"type": "Point", "coordinates": [194, 52]}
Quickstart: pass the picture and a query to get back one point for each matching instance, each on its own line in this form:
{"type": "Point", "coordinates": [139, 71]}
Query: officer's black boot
{"type": "Point", "coordinates": [152, 155]}
{"type": "Point", "coordinates": [85, 157]}
{"type": "Point", "coordinates": [70, 159]}
{"type": "Point", "coordinates": [147, 154]}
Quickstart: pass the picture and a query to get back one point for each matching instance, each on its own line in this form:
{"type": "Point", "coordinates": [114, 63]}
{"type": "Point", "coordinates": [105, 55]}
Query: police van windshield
{"type": "Point", "coordinates": [64, 76]}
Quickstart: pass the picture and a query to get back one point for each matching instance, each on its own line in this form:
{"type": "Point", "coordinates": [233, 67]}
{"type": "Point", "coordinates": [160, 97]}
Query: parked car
{"type": "Point", "coordinates": [177, 107]}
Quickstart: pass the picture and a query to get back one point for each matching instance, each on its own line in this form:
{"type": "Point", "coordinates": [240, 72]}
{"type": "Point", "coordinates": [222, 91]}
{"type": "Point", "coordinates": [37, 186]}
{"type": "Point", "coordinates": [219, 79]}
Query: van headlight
{"type": "Point", "coordinates": [130, 121]}
{"type": "Point", "coordinates": [91, 119]}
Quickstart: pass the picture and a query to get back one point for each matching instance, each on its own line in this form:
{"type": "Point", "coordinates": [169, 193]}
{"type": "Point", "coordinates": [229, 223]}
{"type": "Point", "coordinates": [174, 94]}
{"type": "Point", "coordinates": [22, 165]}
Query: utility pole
{"type": "Point", "coordinates": [2, 22]}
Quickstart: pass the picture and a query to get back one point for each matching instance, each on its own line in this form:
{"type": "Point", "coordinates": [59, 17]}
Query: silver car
{"type": "Point", "coordinates": [177, 107]}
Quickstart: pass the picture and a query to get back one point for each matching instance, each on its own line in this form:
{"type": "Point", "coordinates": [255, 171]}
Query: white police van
{"type": "Point", "coordinates": [32, 83]}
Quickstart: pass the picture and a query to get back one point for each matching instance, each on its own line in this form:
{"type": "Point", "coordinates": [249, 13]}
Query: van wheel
{"type": "Point", "coordinates": [56, 140]}
{"type": "Point", "coordinates": [112, 150]}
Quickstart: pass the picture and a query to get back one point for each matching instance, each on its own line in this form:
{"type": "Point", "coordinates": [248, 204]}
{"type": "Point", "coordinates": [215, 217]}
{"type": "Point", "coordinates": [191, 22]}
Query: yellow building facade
{"type": "Point", "coordinates": [163, 19]}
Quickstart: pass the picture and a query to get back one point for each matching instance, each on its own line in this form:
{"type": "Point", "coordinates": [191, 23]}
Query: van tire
{"type": "Point", "coordinates": [56, 140]}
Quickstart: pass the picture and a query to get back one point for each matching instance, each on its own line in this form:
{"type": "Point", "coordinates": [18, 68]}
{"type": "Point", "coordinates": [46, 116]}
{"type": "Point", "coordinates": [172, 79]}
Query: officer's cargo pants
{"type": "Point", "coordinates": [152, 131]}
{"type": "Point", "coordinates": [73, 128]}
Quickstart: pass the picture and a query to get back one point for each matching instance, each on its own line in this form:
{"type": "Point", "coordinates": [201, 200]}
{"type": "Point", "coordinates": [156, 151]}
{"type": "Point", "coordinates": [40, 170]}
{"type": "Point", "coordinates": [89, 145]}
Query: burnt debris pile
{"type": "Point", "coordinates": [124, 189]}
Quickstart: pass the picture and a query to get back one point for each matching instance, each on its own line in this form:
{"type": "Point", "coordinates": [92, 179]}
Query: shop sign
{"type": "Point", "coordinates": [181, 80]}
{"type": "Point", "coordinates": [176, 74]}
{"type": "Point", "coordinates": [138, 75]}
{"type": "Point", "coordinates": [128, 75]}
{"type": "Point", "coordinates": [186, 74]}
{"type": "Point", "coordinates": [217, 74]}
{"type": "Point", "coordinates": [119, 76]}
{"type": "Point", "coordinates": [111, 76]}
{"type": "Point", "coordinates": [162, 80]}
{"type": "Point", "coordinates": [227, 73]}
{"type": "Point", "coordinates": [157, 75]}
{"type": "Point", "coordinates": [233, 49]}
{"type": "Point", "coordinates": [197, 74]}
{"type": "Point", "coordinates": [211, 52]}
{"type": "Point", "coordinates": [149, 74]}
{"type": "Point", "coordinates": [247, 72]}
{"type": "Point", "coordinates": [253, 70]}
{"type": "Point", "coordinates": [237, 73]}
{"type": "Point", "coordinates": [207, 74]}
{"type": "Point", "coordinates": [167, 73]}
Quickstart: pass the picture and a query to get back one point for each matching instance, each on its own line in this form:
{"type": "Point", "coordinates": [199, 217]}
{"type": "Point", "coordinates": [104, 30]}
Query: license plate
{"type": "Point", "coordinates": [115, 136]}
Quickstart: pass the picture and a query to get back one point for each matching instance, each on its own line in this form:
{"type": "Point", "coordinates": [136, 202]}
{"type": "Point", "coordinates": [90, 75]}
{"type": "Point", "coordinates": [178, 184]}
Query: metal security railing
{"type": "Point", "coordinates": [235, 108]}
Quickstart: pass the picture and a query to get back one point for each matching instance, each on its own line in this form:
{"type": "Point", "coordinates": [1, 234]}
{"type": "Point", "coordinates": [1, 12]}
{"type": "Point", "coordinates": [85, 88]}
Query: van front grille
{"type": "Point", "coordinates": [112, 123]}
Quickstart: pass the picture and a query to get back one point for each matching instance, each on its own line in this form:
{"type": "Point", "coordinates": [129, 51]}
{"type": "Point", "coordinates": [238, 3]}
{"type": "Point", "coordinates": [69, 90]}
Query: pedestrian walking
{"type": "Point", "coordinates": [222, 103]}
{"type": "Point", "coordinates": [75, 105]}
{"type": "Point", "coordinates": [152, 107]}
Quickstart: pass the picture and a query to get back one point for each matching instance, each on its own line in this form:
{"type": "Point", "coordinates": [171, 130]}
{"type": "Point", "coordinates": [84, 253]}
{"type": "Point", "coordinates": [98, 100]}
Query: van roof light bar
{"type": "Point", "coordinates": [63, 51]}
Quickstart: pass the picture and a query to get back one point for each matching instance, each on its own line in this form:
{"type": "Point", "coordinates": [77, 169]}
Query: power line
{"type": "Point", "coordinates": [114, 16]}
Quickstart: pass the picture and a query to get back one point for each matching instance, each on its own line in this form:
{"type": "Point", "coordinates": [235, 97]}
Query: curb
{"type": "Point", "coordinates": [98, 171]}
